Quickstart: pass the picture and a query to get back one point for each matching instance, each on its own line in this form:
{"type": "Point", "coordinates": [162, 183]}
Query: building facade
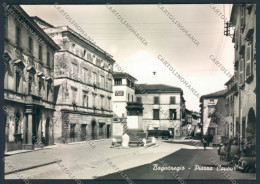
{"type": "Point", "coordinates": [212, 105]}
{"type": "Point", "coordinates": [28, 82]}
{"type": "Point", "coordinates": [124, 91]}
{"type": "Point", "coordinates": [243, 18]}
{"type": "Point", "coordinates": [162, 107]}
{"type": "Point", "coordinates": [83, 87]}
{"type": "Point", "coordinates": [232, 112]}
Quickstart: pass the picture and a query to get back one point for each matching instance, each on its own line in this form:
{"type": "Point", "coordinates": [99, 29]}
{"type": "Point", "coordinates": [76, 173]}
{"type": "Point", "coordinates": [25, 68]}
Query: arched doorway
{"type": "Point", "coordinates": [93, 129]}
{"type": "Point", "coordinates": [251, 122]}
{"type": "Point", "coordinates": [47, 131]}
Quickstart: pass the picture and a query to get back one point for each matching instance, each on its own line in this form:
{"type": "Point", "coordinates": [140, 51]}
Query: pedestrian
{"type": "Point", "coordinates": [204, 143]}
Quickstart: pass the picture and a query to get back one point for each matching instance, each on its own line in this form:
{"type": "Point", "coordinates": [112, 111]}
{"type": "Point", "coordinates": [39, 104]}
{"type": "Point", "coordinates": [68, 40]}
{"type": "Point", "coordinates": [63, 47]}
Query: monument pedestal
{"type": "Point", "coordinates": [134, 122]}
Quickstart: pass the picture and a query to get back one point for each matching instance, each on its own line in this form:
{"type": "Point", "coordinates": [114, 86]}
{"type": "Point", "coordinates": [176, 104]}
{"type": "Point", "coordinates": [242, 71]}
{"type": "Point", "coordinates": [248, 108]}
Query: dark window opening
{"type": "Point", "coordinates": [118, 81]}
{"type": "Point", "coordinates": [172, 100]}
{"type": "Point", "coordinates": [173, 114]}
{"type": "Point", "coordinates": [18, 36]}
{"type": "Point", "coordinates": [156, 100]}
{"type": "Point", "coordinates": [156, 114]}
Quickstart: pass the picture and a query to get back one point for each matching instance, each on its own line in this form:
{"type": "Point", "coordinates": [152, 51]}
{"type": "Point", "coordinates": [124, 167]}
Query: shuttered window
{"type": "Point", "coordinates": [156, 114]}
{"type": "Point", "coordinates": [248, 59]}
{"type": "Point", "coordinates": [173, 114]}
{"type": "Point", "coordinates": [172, 100]}
{"type": "Point", "coordinates": [156, 100]}
{"type": "Point", "coordinates": [241, 71]}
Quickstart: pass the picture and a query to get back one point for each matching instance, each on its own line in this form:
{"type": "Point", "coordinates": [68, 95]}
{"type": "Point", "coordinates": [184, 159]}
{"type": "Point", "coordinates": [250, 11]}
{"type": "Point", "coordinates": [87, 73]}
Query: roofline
{"type": "Point", "coordinates": [30, 20]}
{"type": "Point", "coordinates": [85, 40]}
{"type": "Point", "coordinates": [232, 14]}
{"type": "Point", "coordinates": [38, 18]}
{"type": "Point", "coordinates": [229, 81]}
{"type": "Point", "coordinates": [153, 92]}
{"type": "Point", "coordinates": [124, 74]}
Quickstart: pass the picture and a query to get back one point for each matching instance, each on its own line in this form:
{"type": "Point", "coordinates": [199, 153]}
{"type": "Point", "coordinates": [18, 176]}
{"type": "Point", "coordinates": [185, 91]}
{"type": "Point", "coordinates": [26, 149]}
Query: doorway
{"type": "Point", "coordinates": [47, 132]}
{"type": "Point", "coordinates": [93, 130]}
{"type": "Point", "coordinates": [108, 131]}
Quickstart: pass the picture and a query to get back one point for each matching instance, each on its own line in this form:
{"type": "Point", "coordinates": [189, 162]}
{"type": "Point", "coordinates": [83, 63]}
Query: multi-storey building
{"type": "Point", "coordinates": [212, 113]}
{"type": "Point", "coordinates": [243, 18]}
{"type": "Point", "coordinates": [232, 113]}
{"type": "Point", "coordinates": [192, 119]}
{"type": "Point", "coordinates": [83, 86]}
{"type": "Point", "coordinates": [163, 107]}
{"type": "Point", "coordinates": [124, 91]}
{"type": "Point", "coordinates": [28, 81]}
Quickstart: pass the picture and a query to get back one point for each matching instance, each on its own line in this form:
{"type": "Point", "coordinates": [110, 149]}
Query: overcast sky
{"type": "Point", "coordinates": [163, 37]}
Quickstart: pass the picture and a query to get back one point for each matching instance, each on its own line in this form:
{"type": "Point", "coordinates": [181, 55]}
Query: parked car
{"type": "Point", "coordinates": [188, 137]}
{"type": "Point", "coordinates": [216, 140]}
{"type": "Point", "coordinates": [246, 164]}
{"type": "Point", "coordinates": [163, 134]}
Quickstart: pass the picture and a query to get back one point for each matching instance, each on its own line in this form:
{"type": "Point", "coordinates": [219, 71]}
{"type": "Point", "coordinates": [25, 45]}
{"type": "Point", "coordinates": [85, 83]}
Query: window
{"type": "Point", "coordinates": [74, 94]}
{"type": "Point", "coordinates": [128, 97]}
{"type": "Point", "coordinates": [18, 36]}
{"type": "Point", "coordinates": [118, 81]}
{"type": "Point", "coordinates": [241, 71]}
{"type": "Point", "coordinates": [94, 100]}
{"type": "Point", "coordinates": [128, 83]}
{"type": "Point", "coordinates": [173, 114]}
{"type": "Point", "coordinates": [102, 101]}
{"type": "Point", "coordinates": [94, 78]}
{"type": "Point", "coordinates": [102, 81]}
{"type": "Point", "coordinates": [89, 57]}
{"type": "Point", "coordinates": [73, 47]}
{"type": "Point", "coordinates": [156, 100]}
{"type": "Point", "coordinates": [211, 100]}
{"type": "Point", "coordinates": [242, 16]}
{"type": "Point", "coordinates": [30, 45]}
{"type": "Point", "coordinates": [30, 85]}
{"type": "Point", "coordinates": [248, 59]}
{"type": "Point", "coordinates": [48, 59]}
{"type": "Point", "coordinates": [156, 114]}
{"type": "Point", "coordinates": [132, 98]}
{"type": "Point", "coordinates": [40, 85]}
{"type": "Point", "coordinates": [109, 103]}
{"type": "Point", "coordinates": [109, 84]}
{"type": "Point", "coordinates": [211, 111]}
{"type": "Point", "coordinates": [18, 80]}
{"type": "Point", "coordinates": [85, 74]}
{"type": "Point", "coordinates": [98, 62]}
{"type": "Point", "coordinates": [6, 25]}
{"type": "Point", "coordinates": [48, 90]}
{"type": "Point", "coordinates": [84, 53]}
{"type": "Point", "coordinates": [40, 52]}
{"type": "Point", "coordinates": [139, 99]}
{"type": "Point", "coordinates": [172, 100]}
{"type": "Point", "coordinates": [85, 99]}
{"type": "Point", "coordinates": [74, 70]}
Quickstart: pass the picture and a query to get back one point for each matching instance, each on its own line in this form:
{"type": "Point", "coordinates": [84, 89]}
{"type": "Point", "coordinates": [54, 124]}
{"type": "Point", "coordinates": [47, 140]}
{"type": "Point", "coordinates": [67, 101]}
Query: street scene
{"type": "Point", "coordinates": [130, 92]}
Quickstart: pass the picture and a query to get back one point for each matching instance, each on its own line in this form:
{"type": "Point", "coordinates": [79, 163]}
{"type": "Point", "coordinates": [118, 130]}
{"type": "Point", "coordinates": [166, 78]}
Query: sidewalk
{"type": "Point", "coordinates": [30, 160]}
{"type": "Point", "coordinates": [9, 153]}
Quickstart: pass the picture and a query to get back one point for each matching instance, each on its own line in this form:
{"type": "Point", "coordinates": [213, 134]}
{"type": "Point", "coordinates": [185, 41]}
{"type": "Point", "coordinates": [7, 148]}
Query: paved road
{"type": "Point", "coordinates": [84, 162]}
{"type": "Point", "coordinates": [186, 164]}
